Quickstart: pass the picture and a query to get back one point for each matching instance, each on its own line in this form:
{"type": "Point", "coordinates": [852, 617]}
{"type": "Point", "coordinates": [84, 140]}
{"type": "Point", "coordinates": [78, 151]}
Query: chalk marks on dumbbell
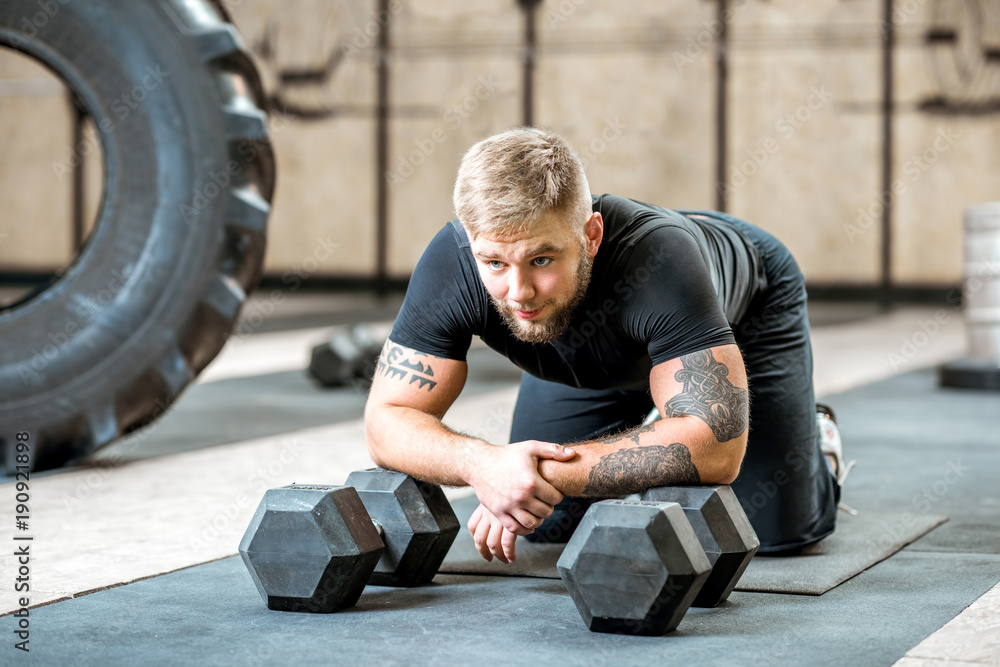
{"type": "Point", "coordinates": [637, 469]}
{"type": "Point", "coordinates": [709, 395]}
{"type": "Point", "coordinates": [393, 364]}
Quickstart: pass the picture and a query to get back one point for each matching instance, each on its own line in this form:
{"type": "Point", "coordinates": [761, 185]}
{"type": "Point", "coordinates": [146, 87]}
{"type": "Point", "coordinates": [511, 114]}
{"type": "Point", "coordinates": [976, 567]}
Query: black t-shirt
{"type": "Point", "coordinates": [663, 285]}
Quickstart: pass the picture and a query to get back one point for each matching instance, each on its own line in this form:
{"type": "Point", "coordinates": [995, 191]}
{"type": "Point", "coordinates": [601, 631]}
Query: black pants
{"type": "Point", "coordinates": [785, 485]}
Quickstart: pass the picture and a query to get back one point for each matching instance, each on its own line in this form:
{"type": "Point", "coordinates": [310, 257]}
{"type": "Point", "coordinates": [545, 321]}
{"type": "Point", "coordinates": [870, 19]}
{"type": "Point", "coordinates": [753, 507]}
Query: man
{"type": "Point", "coordinates": [610, 307]}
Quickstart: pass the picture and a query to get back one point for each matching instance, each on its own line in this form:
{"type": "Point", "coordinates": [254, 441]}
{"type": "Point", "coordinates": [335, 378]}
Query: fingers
{"type": "Point", "coordinates": [474, 520]}
{"type": "Point", "coordinates": [493, 541]}
{"type": "Point", "coordinates": [530, 520]}
{"type": "Point", "coordinates": [480, 537]}
{"type": "Point", "coordinates": [550, 450]}
{"type": "Point", "coordinates": [546, 494]}
{"type": "Point", "coordinates": [507, 544]}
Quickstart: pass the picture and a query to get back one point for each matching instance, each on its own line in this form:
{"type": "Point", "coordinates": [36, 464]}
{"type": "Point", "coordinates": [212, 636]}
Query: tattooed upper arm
{"type": "Point", "coordinates": [708, 384]}
{"type": "Point", "coordinates": [407, 377]}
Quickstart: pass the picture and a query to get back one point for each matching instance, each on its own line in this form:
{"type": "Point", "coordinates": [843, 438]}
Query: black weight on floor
{"type": "Point", "coordinates": [311, 548]}
{"type": "Point", "coordinates": [971, 374]}
{"type": "Point", "coordinates": [333, 363]}
{"type": "Point", "coordinates": [178, 242]}
{"type": "Point", "coordinates": [633, 567]}
{"type": "Point", "coordinates": [350, 354]}
{"type": "Point", "coordinates": [418, 523]}
{"type": "Point", "coordinates": [723, 531]}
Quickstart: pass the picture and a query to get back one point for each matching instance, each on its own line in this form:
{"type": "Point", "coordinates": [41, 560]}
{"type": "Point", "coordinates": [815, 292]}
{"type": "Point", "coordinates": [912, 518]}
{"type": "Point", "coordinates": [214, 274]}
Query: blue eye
{"type": "Point", "coordinates": [495, 264]}
{"type": "Point", "coordinates": [546, 260]}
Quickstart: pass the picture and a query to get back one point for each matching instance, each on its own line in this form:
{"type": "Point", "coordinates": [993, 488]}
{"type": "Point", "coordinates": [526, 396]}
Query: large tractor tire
{"type": "Point", "coordinates": [180, 236]}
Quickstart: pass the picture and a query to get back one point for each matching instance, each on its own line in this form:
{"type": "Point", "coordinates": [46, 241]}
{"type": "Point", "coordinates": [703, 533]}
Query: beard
{"type": "Point", "coordinates": [558, 320]}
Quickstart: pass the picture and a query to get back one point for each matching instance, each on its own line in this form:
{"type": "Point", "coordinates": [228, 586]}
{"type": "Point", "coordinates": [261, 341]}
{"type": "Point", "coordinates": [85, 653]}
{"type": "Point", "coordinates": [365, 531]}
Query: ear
{"type": "Point", "coordinates": [593, 230]}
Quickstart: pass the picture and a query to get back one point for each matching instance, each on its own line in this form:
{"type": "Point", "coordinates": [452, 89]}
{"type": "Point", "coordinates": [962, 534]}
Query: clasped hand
{"type": "Point", "coordinates": [514, 498]}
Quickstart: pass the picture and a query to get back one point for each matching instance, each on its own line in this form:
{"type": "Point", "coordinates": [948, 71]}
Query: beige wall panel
{"type": "Point", "coordinates": [632, 89]}
{"type": "Point", "coordinates": [325, 195]}
{"type": "Point", "coordinates": [942, 162]}
{"type": "Point", "coordinates": [456, 103]}
{"type": "Point", "coordinates": [814, 17]}
{"type": "Point", "coordinates": [643, 128]}
{"type": "Point", "coordinates": [804, 153]}
{"type": "Point", "coordinates": [35, 133]}
{"type": "Point", "coordinates": [603, 21]}
{"type": "Point", "coordinates": [455, 24]}
{"type": "Point", "coordinates": [325, 140]}
{"type": "Point", "coordinates": [93, 179]}
{"type": "Point", "coordinates": [331, 39]}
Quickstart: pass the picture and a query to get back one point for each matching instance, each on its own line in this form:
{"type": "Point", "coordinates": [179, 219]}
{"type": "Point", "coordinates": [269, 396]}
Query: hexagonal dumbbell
{"type": "Point", "coordinates": [311, 548]}
{"type": "Point", "coordinates": [633, 567]}
{"type": "Point", "coordinates": [417, 521]}
{"type": "Point", "coordinates": [723, 530]}
{"type": "Point", "coordinates": [351, 353]}
{"type": "Point", "coordinates": [314, 547]}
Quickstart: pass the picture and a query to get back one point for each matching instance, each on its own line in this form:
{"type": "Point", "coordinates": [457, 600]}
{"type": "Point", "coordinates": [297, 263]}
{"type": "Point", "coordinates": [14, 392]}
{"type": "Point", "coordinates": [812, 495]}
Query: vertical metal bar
{"type": "Point", "coordinates": [530, 54]}
{"type": "Point", "coordinates": [382, 155]}
{"type": "Point", "coordinates": [888, 40]}
{"type": "Point", "coordinates": [721, 102]}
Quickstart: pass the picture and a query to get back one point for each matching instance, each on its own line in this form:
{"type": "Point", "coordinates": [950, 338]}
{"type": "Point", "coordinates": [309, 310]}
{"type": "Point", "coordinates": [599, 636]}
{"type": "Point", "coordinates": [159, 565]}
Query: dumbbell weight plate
{"type": "Point", "coordinates": [723, 530]}
{"type": "Point", "coordinates": [633, 567]}
{"type": "Point", "coordinates": [418, 522]}
{"type": "Point", "coordinates": [311, 548]}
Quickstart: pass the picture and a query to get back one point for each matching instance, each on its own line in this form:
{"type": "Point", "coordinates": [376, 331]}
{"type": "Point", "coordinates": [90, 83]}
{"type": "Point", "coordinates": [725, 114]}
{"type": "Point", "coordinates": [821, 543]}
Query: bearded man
{"type": "Point", "coordinates": [615, 310]}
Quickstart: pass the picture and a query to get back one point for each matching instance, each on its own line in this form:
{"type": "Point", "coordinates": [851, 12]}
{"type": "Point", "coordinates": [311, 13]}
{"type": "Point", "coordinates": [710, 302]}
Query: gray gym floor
{"type": "Point", "coordinates": [920, 449]}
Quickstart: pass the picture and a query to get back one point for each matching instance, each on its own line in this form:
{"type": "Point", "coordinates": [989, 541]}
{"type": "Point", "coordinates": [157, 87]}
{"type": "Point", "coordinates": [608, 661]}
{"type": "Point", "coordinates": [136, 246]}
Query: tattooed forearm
{"type": "Point", "coordinates": [709, 395]}
{"type": "Point", "coordinates": [395, 363]}
{"type": "Point", "coordinates": [632, 436]}
{"type": "Point", "coordinates": [635, 470]}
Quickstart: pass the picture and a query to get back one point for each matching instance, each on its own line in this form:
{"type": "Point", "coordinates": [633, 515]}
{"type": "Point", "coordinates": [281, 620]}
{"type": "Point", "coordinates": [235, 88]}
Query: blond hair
{"type": "Point", "coordinates": [508, 181]}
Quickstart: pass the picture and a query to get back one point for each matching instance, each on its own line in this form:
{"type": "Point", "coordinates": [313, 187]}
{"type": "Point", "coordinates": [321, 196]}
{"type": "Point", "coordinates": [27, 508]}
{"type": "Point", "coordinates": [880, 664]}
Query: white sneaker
{"type": "Point", "coordinates": [831, 444]}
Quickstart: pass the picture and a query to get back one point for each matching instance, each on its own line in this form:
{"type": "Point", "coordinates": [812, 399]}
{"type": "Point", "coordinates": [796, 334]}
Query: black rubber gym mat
{"type": "Point", "coordinates": [212, 615]}
{"type": "Point", "coordinates": [858, 543]}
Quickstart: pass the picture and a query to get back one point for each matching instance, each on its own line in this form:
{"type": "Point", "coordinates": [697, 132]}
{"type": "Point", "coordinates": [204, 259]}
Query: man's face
{"type": "Point", "coordinates": [536, 279]}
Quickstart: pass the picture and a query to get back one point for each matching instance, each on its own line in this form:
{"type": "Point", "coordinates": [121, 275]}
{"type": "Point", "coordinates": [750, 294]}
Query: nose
{"type": "Point", "coordinates": [519, 289]}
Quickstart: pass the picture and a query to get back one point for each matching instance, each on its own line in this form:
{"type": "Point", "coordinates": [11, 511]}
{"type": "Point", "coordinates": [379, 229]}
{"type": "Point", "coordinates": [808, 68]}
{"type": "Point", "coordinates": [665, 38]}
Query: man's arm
{"type": "Point", "coordinates": [701, 439]}
{"type": "Point", "coordinates": [410, 393]}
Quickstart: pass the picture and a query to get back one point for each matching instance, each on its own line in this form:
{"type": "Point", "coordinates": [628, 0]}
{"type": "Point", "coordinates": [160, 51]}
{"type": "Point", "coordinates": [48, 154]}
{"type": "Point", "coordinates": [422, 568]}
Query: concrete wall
{"type": "Point", "coordinates": [634, 91]}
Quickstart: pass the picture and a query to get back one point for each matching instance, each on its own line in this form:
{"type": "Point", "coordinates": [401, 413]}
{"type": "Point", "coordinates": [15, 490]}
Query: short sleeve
{"type": "Point", "coordinates": [440, 313]}
{"type": "Point", "coordinates": [677, 309]}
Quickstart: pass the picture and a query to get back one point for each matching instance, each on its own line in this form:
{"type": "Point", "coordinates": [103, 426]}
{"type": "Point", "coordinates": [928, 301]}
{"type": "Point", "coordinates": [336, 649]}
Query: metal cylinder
{"type": "Point", "coordinates": [981, 286]}
{"type": "Point", "coordinates": [981, 298]}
